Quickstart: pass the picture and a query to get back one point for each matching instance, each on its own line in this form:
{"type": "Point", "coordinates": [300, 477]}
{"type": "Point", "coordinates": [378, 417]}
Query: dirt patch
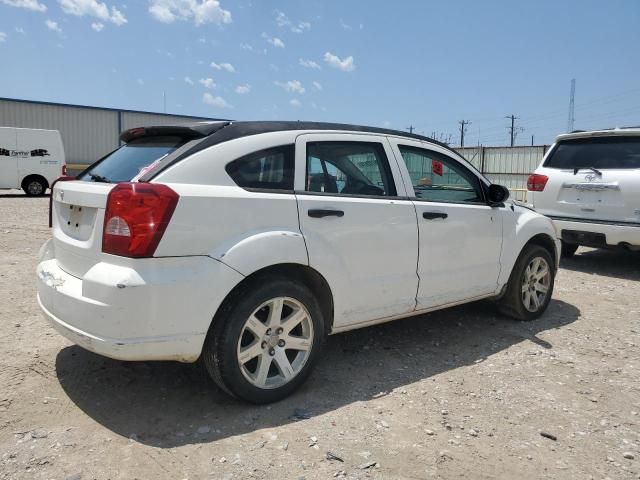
{"type": "Point", "coordinates": [457, 393]}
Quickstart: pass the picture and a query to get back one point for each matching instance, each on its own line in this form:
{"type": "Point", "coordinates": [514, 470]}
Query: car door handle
{"type": "Point", "coordinates": [319, 213]}
{"type": "Point", "coordinates": [432, 215]}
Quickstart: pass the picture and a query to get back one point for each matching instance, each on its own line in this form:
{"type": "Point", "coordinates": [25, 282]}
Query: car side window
{"type": "Point", "coordinates": [270, 169]}
{"type": "Point", "coordinates": [349, 168]}
{"type": "Point", "coordinates": [438, 178]}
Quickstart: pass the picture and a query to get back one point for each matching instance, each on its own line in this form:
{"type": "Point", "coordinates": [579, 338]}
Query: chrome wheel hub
{"type": "Point", "coordinates": [275, 342]}
{"type": "Point", "coordinates": [535, 284]}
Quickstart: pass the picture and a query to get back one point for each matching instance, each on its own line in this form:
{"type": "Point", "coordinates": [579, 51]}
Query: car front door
{"type": "Point", "coordinates": [460, 234]}
{"type": "Point", "coordinates": [359, 227]}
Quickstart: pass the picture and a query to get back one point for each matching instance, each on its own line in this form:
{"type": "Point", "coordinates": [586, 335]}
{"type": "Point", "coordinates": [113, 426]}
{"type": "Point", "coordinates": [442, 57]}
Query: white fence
{"type": "Point", "coordinates": [508, 166]}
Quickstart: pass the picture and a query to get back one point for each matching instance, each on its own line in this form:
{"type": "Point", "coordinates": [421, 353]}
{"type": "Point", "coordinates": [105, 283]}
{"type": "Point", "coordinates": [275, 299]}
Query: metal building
{"type": "Point", "coordinates": [88, 133]}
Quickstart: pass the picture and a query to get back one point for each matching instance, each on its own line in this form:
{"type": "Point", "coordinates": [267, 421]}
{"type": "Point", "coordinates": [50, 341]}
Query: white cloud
{"type": "Point", "coordinates": [295, 102]}
{"type": "Point", "coordinates": [346, 65]}
{"type": "Point", "coordinates": [246, 46]}
{"type": "Point", "coordinates": [97, 26]}
{"type": "Point", "coordinates": [292, 86]}
{"type": "Point", "coordinates": [3, 37]}
{"type": "Point", "coordinates": [345, 26]}
{"type": "Point", "coordinates": [200, 11]}
{"type": "Point", "coordinates": [243, 89]}
{"type": "Point", "coordinates": [51, 25]}
{"type": "Point", "coordinates": [317, 85]}
{"type": "Point", "coordinates": [274, 67]}
{"type": "Point", "coordinates": [33, 5]}
{"type": "Point", "coordinates": [140, 81]}
{"type": "Point", "coordinates": [19, 30]}
{"type": "Point", "coordinates": [215, 101]}
{"type": "Point", "coordinates": [276, 42]}
{"type": "Point", "coordinates": [283, 21]}
{"type": "Point", "coordinates": [207, 83]}
{"type": "Point", "coordinates": [309, 64]}
{"type": "Point", "coordinates": [223, 66]}
{"type": "Point", "coordinates": [93, 8]}
{"type": "Point", "coordinates": [188, 80]}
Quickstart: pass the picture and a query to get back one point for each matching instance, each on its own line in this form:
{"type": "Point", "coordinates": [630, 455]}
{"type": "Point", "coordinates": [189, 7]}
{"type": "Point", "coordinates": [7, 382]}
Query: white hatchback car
{"type": "Point", "coordinates": [246, 243]}
{"type": "Point", "coordinates": [589, 184]}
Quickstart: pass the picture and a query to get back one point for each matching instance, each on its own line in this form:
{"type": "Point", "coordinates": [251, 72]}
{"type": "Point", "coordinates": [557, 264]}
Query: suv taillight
{"type": "Point", "coordinates": [536, 182]}
{"type": "Point", "coordinates": [136, 217]}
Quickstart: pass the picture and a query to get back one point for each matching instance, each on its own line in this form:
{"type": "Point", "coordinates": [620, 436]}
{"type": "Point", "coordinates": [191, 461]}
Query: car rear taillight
{"type": "Point", "coordinates": [536, 182]}
{"type": "Point", "coordinates": [136, 217]}
{"type": "Point", "coordinates": [64, 170]}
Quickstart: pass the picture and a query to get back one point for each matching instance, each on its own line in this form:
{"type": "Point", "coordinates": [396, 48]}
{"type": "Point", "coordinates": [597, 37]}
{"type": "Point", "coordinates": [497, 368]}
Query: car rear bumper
{"type": "Point", "coordinates": [604, 234]}
{"type": "Point", "coordinates": [159, 310]}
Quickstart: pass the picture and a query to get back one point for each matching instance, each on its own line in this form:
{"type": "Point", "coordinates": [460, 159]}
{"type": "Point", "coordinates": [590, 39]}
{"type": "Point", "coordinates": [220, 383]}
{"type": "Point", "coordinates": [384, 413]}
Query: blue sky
{"type": "Point", "coordinates": [416, 63]}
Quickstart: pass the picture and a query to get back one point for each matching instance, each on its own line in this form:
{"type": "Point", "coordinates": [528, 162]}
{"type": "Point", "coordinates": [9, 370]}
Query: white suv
{"type": "Point", "coordinates": [245, 243]}
{"type": "Point", "coordinates": [589, 184]}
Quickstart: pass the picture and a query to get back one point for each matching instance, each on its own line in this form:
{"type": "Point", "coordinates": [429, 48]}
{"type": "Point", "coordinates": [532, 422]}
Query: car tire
{"type": "Point", "coordinates": [568, 249]}
{"type": "Point", "coordinates": [34, 186]}
{"type": "Point", "coordinates": [530, 285]}
{"type": "Point", "coordinates": [248, 350]}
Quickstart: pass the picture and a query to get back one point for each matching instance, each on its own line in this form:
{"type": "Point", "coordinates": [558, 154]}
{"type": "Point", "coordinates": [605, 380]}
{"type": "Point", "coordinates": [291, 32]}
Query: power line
{"type": "Point", "coordinates": [463, 126]}
{"type": "Point", "coordinates": [411, 128]}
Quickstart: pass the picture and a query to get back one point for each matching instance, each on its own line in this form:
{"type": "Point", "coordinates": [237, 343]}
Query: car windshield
{"type": "Point", "coordinates": [597, 152]}
{"type": "Point", "coordinates": [128, 161]}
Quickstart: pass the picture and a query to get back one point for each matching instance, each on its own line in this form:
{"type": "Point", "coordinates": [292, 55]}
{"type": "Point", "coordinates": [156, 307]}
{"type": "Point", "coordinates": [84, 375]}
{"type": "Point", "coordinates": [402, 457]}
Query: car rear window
{"type": "Point", "coordinates": [598, 152]}
{"type": "Point", "coordinates": [128, 161]}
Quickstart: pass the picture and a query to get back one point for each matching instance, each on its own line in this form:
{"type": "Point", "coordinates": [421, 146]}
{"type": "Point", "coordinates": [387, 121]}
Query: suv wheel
{"type": "Point", "coordinates": [530, 285]}
{"type": "Point", "coordinates": [265, 340]}
{"type": "Point", "coordinates": [568, 249]}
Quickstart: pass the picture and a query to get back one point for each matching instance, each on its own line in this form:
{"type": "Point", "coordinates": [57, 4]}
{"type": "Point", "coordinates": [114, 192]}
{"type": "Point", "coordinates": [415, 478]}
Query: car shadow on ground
{"type": "Point", "coordinates": [21, 195]}
{"type": "Point", "coordinates": [616, 263]}
{"type": "Point", "coordinates": [165, 403]}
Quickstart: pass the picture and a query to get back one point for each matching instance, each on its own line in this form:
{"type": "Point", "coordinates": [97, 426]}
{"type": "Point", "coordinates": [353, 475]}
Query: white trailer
{"type": "Point", "coordinates": [30, 159]}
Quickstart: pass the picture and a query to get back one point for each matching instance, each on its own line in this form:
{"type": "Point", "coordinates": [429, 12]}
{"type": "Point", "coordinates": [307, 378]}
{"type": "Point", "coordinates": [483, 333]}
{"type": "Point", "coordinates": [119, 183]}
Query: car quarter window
{"type": "Point", "coordinates": [348, 168]}
{"type": "Point", "coordinates": [438, 178]}
{"type": "Point", "coordinates": [270, 169]}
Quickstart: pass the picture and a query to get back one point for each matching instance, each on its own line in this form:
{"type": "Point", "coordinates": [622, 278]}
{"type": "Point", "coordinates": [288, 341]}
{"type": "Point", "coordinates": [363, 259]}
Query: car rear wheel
{"type": "Point", "coordinates": [265, 340]}
{"type": "Point", "coordinates": [530, 286]}
{"type": "Point", "coordinates": [568, 249]}
{"type": "Point", "coordinates": [34, 186]}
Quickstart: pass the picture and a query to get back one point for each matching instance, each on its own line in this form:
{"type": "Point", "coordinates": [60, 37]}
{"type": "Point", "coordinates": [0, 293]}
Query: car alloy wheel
{"type": "Point", "coordinates": [275, 343]}
{"type": "Point", "coordinates": [535, 284]}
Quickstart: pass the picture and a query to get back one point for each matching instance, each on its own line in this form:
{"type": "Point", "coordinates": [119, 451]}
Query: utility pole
{"type": "Point", "coordinates": [572, 118]}
{"type": "Point", "coordinates": [513, 132]}
{"type": "Point", "coordinates": [411, 128]}
{"type": "Point", "coordinates": [463, 125]}
{"type": "Point", "coordinates": [532, 140]}
{"type": "Point", "coordinates": [164, 102]}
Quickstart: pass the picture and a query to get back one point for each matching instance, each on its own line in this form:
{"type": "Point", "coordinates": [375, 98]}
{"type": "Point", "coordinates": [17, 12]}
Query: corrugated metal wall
{"type": "Point", "coordinates": [88, 133]}
{"type": "Point", "coordinates": [508, 166]}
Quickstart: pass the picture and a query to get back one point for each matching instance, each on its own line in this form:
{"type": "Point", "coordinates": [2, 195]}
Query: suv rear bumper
{"type": "Point", "coordinates": [615, 233]}
{"type": "Point", "coordinates": [159, 310]}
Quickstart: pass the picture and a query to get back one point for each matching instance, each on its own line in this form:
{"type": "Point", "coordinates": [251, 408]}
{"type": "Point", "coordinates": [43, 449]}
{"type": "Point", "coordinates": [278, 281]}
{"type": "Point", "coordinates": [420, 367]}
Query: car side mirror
{"type": "Point", "coordinates": [497, 194]}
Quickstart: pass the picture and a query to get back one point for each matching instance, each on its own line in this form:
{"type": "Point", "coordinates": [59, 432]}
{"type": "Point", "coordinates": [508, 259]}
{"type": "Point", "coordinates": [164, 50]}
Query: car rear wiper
{"type": "Point", "coordinates": [595, 170]}
{"type": "Point", "coordinates": [99, 178]}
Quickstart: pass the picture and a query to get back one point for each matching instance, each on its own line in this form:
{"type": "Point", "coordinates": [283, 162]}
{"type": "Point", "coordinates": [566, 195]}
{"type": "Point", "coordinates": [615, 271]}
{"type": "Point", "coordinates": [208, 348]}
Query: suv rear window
{"type": "Point", "coordinates": [125, 163]}
{"type": "Point", "coordinates": [597, 152]}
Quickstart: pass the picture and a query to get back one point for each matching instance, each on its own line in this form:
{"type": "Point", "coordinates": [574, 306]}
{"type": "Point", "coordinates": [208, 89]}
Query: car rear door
{"type": "Point", "coordinates": [359, 227]}
{"type": "Point", "coordinates": [592, 178]}
{"type": "Point", "coordinates": [460, 234]}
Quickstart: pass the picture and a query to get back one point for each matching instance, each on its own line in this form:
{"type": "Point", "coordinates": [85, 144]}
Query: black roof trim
{"type": "Point", "coordinates": [91, 107]}
{"type": "Point", "coordinates": [234, 130]}
{"type": "Point", "coordinates": [186, 131]}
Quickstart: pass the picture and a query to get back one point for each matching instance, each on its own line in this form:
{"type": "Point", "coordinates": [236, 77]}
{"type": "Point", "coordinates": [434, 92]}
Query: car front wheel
{"type": "Point", "coordinates": [530, 286]}
{"type": "Point", "coordinates": [265, 340]}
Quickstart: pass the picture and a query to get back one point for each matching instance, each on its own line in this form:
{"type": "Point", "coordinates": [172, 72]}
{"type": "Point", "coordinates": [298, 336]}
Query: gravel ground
{"type": "Point", "coordinates": [458, 393]}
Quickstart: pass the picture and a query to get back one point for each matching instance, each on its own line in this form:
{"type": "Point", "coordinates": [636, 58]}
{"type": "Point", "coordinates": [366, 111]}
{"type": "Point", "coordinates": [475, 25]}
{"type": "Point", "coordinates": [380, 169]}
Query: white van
{"type": "Point", "coordinates": [30, 159]}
